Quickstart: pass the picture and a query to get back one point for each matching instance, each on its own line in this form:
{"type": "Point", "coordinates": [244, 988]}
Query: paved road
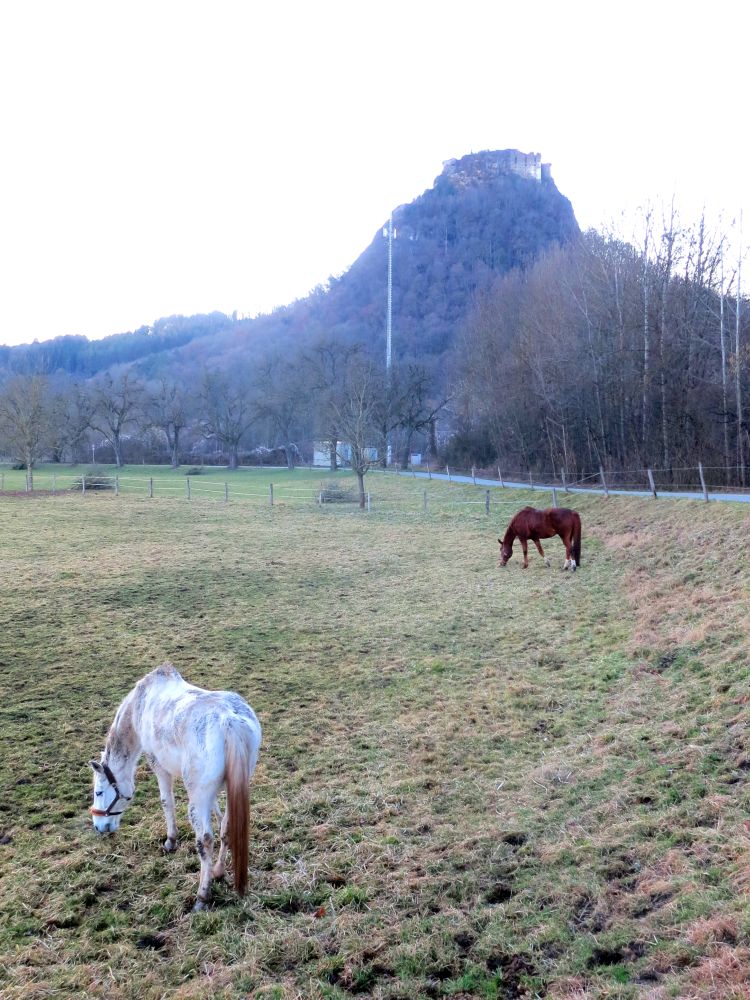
{"type": "Point", "coordinates": [727, 497]}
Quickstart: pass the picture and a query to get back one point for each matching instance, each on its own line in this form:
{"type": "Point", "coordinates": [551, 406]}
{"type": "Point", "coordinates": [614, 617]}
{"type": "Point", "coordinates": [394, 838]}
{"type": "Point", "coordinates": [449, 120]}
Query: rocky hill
{"type": "Point", "coordinates": [486, 214]}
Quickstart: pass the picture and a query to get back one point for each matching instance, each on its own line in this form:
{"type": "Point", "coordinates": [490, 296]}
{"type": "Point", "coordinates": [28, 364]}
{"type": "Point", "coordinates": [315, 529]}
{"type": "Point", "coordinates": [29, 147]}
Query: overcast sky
{"type": "Point", "coordinates": [176, 157]}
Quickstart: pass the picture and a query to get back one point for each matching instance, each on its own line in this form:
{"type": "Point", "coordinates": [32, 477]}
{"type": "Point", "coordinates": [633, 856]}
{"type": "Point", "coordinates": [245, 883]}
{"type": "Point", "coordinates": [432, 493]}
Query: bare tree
{"type": "Point", "coordinates": [25, 420]}
{"type": "Point", "coordinates": [166, 408]}
{"type": "Point", "coordinates": [356, 418]}
{"type": "Point", "coordinates": [280, 399]}
{"type": "Point", "coordinates": [328, 364]}
{"type": "Point", "coordinates": [72, 411]}
{"type": "Point", "coordinates": [417, 408]}
{"type": "Point", "coordinates": [227, 411]}
{"type": "Point", "coordinates": [116, 405]}
{"type": "Point", "coordinates": [738, 366]}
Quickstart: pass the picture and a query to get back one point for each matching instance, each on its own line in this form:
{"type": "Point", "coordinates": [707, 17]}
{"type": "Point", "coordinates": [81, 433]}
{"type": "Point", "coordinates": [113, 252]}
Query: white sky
{"type": "Point", "coordinates": [161, 157]}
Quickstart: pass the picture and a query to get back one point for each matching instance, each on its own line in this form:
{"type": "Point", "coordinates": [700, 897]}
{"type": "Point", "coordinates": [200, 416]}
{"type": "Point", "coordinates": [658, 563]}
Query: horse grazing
{"type": "Point", "coordinates": [209, 738]}
{"type": "Point", "coordinates": [533, 524]}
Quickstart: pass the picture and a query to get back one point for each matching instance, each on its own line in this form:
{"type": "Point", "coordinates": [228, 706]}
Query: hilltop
{"type": "Point", "coordinates": [486, 214]}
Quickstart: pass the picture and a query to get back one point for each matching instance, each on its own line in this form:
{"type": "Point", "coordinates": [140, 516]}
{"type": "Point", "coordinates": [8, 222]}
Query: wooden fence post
{"type": "Point", "coordinates": [226, 492]}
{"type": "Point", "coordinates": [151, 487]}
{"type": "Point", "coordinates": [531, 479]}
{"type": "Point", "coordinates": [424, 501]}
{"type": "Point", "coordinates": [554, 497]}
{"type": "Point", "coordinates": [474, 475]}
{"type": "Point", "coordinates": [187, 487]}
{"type": "Point", "coordinates": [604, 481]}
{"type": "Point", "coordinates": [369, 507]}
{"type": "Point", "coordinates": [54, 484]}
{"type": "Point", "coordinates": [651, 482]}
{"type": "Point", "coordinates": [429, 471]}
{"type": "Point", "coordinates": [448, 473]}
{"type": "Point", "coordinates": [500, 477]}
{"type": "Point", "coordinates": [270, 494]}
{"type": "Point", "coordinates": [703, 481]}
{"type": "Point", "coordinates": [117, 486]}
{"type": "Point", "coordinates": [83, 483]}
{"type": "Point", "coordinates": [564, 480]}
{"type": "Point", "coordinates": [487, 501]}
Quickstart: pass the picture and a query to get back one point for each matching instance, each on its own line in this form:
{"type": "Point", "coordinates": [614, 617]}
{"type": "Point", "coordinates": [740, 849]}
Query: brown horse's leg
{"type": "Point", "coordinates": [567, 542]}
{"type": "Point", "coordinates": [525, 547]}
{"type": "Point", "coordinates": [540, 550]}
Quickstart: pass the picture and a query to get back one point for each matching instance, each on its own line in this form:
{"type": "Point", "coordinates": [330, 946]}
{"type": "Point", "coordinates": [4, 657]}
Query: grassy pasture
{"type": "Point", "coordinates": [245, 483]}
{"type": "Point", "coordinates": [475, 782]}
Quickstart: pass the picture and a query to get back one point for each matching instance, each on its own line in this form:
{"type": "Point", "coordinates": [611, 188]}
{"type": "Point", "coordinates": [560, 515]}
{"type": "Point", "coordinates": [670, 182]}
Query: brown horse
{"type": "Point", "coordinates": [533, 524]}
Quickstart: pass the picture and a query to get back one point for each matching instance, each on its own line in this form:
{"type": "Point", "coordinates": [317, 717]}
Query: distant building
{"type": "Point", "coordinates": [322, 454]}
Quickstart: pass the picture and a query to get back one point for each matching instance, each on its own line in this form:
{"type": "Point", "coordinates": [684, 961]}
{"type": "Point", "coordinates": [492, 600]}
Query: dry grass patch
{"type": "Point", "coordinates": [474, 783]}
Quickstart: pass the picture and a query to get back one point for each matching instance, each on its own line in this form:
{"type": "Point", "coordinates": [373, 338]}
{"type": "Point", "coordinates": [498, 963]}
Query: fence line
{"type": "Point", "coordinates": [214, 489]}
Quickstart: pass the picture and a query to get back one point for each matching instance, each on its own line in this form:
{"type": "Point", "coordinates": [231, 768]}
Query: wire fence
{"type": "Point", "coordinates": [557, 490]}
{"type": "Point", "coordinates": [706, 481]}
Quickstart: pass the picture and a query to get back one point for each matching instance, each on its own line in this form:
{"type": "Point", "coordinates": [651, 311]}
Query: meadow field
{"type": "Point", "coordinates": [475, 782]}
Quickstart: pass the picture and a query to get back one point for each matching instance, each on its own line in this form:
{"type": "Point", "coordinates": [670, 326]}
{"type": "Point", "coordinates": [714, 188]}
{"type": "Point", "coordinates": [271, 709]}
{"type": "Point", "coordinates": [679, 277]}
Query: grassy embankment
{"type": "Point", "coordinates": [475, 782]}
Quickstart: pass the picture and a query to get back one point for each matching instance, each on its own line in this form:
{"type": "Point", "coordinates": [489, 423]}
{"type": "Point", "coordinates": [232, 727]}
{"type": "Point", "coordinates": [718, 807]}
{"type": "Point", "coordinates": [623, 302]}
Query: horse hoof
{"type": "Point", "coordinates": [170, 845]}
{"type": "Point", "coordinates": [200, 904]}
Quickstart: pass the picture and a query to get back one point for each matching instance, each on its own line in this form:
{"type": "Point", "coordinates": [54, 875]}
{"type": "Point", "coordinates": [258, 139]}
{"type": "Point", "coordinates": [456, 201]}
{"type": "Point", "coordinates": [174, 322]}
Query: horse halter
{"type": "Point", "coordinates": [118, 795]}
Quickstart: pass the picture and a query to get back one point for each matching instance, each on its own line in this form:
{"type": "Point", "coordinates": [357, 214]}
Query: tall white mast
{"type": "Point", "coordinates": [389, 315]}
{"type": "Point", "coordinates": [389, 318]}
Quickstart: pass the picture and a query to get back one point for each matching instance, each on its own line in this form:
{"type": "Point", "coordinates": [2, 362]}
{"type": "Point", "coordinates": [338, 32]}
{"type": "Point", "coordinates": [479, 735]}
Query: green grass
{"type": "Point", "coordinates": [474, 783]}
{"type": "Point", "coordinates": [243, 483]}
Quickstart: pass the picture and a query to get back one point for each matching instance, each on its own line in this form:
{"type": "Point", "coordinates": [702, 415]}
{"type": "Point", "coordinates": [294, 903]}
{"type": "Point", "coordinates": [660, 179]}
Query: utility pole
{"type": "Point", "coordinates": [389, 314]}
{"type": "Point", "coordinates": [389, 232]}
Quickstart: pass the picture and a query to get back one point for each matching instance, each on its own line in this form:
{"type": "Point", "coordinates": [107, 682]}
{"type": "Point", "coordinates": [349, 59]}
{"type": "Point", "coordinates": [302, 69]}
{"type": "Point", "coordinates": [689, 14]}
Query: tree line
{"type": "Point", "coordinates": [610, 353]}
{"type": "Point", "coordinates": [332, 393]}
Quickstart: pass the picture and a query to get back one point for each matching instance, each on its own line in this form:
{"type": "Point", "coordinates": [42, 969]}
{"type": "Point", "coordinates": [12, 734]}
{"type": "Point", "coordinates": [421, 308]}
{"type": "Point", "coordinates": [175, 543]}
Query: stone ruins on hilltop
{"type": "Point", "coordinates": [499, 162]}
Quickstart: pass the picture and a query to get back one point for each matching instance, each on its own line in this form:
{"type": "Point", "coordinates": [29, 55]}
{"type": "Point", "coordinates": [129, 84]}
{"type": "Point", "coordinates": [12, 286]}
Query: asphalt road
{"type": "Point", "coordinates": [681, 495]}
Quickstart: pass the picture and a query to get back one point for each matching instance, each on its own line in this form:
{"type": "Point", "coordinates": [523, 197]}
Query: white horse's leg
{"type": "Point", "coordinates": [199, 811]}
{"type": "Point", "coordinates": [220, 866]}
{"type": "Point", "coordinates": [166, 791]}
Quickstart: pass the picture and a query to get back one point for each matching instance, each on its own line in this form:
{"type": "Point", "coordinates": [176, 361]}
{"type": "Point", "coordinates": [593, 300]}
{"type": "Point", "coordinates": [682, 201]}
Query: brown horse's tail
{"type": "Point", "coordinates": [577, 538]}
{"type": "Point", "coordinates": [238, 757]}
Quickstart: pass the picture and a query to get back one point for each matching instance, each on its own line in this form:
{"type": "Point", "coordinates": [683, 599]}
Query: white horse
{"type": "Point", "coordinates": [209, 738]}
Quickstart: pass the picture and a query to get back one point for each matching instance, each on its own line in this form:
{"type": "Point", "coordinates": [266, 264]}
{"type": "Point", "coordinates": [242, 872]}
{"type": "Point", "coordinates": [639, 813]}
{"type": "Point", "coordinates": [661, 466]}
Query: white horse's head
{"type": "Point", "coordinates": [113, 791]}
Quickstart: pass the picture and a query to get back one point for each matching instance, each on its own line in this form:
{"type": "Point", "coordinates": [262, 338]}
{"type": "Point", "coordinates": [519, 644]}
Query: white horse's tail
{"type": "Point", "coordinates": [240, 762]}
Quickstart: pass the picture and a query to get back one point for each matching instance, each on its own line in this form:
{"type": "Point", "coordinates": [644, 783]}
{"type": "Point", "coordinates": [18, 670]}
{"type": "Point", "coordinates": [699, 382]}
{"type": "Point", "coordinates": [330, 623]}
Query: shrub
{"type": "Point", "coordinates": [95, 478]}
{"type": "Point", "coordinates": [195, 471]}
{"type": "Point", "coordinates": [332, 492]}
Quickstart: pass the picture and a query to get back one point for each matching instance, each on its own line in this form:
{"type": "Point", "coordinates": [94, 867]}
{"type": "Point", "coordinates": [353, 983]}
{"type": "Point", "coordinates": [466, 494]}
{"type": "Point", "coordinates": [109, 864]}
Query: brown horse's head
{"type": "Point", "coordinates": [506, 551]}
